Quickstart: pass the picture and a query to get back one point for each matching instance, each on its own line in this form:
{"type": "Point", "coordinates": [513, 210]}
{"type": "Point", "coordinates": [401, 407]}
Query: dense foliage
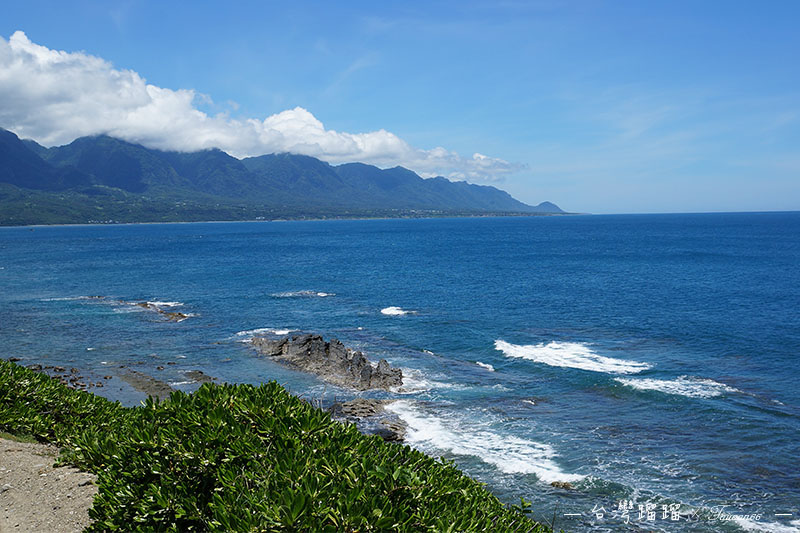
{"type": "Point", "coordinates": [243, 458]}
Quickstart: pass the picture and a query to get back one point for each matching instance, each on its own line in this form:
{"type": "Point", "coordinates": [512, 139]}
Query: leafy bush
{"type": "Point", "coordinates": [244, 458]}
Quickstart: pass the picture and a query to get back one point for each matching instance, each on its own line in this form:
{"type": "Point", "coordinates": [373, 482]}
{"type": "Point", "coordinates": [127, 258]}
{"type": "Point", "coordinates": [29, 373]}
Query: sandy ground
{"type": "Point", "coordinates": [35, 497]}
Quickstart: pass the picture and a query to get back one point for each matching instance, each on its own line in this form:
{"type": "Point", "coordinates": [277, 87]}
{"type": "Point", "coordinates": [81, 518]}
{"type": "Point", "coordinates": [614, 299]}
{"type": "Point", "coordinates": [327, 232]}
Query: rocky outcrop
{"type": "Point", "coordinates": [199, 376]}
{"type": "Point", "coordinates": [146, 384]}
{"type": "Point", "coordinates": [332, 361]}
{"type": "Point", "coordinates": [364, 413]}
{"type": "Point", "coordinates": [172, 316]}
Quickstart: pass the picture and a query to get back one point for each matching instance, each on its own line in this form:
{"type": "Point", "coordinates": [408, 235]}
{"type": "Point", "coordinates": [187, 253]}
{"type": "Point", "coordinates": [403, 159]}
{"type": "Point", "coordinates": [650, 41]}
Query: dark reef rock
{"type": "Point", "coordinates": [332, 361]}
{"type": "Point", "coordinates": [358, 408]}
{"type": "Point", "coordinates": [146, 384]}
{"type": "Point", "coordinates": [172, 316]}
{"type": "Point", "coordinates": [199, 376]}
{"type": "Point", "coordinates": [364, 412]}
{"type": "Point", "coordinates": [392, 429]}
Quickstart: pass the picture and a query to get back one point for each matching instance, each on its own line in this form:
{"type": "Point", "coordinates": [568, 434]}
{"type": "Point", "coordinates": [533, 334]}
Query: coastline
{"type": "Point", "coordinates": [135, 451]}
{"type": "Point", "coordinates": [303, 219]}
{"type": "Point", "coordinates": [498, 423]}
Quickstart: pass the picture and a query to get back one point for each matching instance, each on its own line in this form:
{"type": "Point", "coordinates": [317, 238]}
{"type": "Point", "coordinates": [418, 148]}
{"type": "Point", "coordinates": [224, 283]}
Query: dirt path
{"type": "Point", "coordinates": [35, 497]}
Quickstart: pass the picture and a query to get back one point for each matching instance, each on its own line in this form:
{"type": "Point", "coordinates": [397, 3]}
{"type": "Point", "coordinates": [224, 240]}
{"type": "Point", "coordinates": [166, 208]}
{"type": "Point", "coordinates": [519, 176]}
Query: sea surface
{"type": "Point", "coordinates": [650, 361]}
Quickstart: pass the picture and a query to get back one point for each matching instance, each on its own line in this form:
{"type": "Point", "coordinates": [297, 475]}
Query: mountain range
{"type": "Point", "coordinates": [104, 179]}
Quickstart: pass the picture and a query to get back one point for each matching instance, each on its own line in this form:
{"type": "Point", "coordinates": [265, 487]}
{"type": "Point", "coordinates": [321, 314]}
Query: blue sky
{"type": "Point", "coordinates": [603, 107]}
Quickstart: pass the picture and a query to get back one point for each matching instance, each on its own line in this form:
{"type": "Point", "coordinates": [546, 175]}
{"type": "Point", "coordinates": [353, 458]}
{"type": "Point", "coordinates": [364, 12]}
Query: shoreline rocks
{"type": "Point", "coordinates": [331, 361]}
{"type": "Point", "coordinates": [366, 415]}
{"type": "Point", "coordinates": [172, 316]}
{"type": "Point", "coordinates": [146, 384]}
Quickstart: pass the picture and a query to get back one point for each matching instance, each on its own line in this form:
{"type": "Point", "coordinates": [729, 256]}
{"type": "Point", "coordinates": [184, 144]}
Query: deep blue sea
{"type": "Point", "coordinates": [652, 361]}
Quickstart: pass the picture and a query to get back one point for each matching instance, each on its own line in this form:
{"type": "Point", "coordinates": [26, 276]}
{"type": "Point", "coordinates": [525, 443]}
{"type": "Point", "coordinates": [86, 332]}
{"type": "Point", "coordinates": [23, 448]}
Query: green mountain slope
{"type": "Point", "coordinates": [101, 178]}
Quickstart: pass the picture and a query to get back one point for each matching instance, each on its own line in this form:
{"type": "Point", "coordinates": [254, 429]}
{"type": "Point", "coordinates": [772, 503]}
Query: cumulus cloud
{"type": "Point", "coordinates": [55, 96]}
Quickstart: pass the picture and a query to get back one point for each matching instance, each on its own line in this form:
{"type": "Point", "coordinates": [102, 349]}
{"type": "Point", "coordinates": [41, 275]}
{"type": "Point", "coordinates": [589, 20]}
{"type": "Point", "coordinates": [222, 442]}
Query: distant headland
{"type": "Point", "coordinates": [102, 179]}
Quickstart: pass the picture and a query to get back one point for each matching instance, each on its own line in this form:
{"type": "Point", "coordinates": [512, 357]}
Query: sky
{"type": "Point", "coordinates": [602, 107]}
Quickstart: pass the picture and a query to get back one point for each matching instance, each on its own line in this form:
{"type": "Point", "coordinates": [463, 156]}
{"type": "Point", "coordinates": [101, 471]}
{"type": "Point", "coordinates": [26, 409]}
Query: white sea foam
{"type": "Point", "coordinates": [90, 349]}
{"type": "Point", "coordinates": [244, 336]}
{"type": "Point", "coordinates": [166, 304]}
{"type": "Point", "coordinates": [509, 454]}
{"type": "Point", "coordinates": [683, 386]}
{"type": "Point", "coordinates": [487, 366]}
{"type": "Point", "coordinates": [767, 527]}
{"type": "Point", "coordinates": [415, 382]}
{"type": "Point", "coordinates": [179, 383]}
{"type": "Point", "coordinates": [570, 355]}
{"type": "Point", "coordinates": [302, 294]}
{"type": "Point", "coordinates": [530, 402]}
{"type": "Point", "coordinates": [396, 311]}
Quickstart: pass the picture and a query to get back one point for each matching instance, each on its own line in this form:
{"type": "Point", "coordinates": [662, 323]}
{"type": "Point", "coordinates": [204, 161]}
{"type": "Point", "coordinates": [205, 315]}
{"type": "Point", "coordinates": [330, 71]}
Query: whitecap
{"type": "Point", "coordinates": [165, 304]}
{"type": "Point", "coordinates": [487, 366]}
{"type": "Point", "coordinates": [683, 386]}
{"type": "Point", "coordinates": [415, 382]}
{"type": "Point", "coordinates": [767, 527]}
{"type": "Point", "coordinates": [179, 383]}
{"type": "Point", "coordinates": [509, 454]}
{"type": "Point", "coordinates": [246, 335]}
{"type": "Point", "coordinates": [396, 311]}
{"type": "Point", "coordinates": [90, 349]}
{"type": "Point", "coordinates": [570, 355]}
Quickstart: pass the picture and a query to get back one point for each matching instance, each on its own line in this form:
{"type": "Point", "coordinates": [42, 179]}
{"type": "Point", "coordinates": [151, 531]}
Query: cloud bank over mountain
{"type": "Point", "coordinates": [55, 96]}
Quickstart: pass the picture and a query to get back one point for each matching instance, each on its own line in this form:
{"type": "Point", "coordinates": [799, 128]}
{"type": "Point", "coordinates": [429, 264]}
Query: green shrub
{"type": "Point", "coordinates": [244, 458]}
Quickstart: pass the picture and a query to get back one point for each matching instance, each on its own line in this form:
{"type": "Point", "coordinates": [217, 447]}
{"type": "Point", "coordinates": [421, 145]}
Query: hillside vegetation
{"type": "Point", "coordinates": [103, 179]}
{"type": "Point", "coordinates": [244, 458]}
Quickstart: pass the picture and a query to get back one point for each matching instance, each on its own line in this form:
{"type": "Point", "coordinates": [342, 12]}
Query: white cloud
{"type": "Point", "coordinates": [54, 97]}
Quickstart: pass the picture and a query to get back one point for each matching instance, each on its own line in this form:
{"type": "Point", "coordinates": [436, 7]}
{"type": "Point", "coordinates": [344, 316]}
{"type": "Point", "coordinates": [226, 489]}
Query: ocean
{"type": "Point", "coordinates": [650, 362]}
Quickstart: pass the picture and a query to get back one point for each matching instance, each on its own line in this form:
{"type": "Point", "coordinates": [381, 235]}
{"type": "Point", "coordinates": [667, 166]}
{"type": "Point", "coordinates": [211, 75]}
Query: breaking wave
{"type": "Point", "coordinates": [415, 382]}
{"type": "Point", "coordinates": [509, 454]}
{"type": "Point", "coordinates": [245, 335]}
{"type": "Point", "coordinates": [570, 355]}
{"type": "Point", "coordinates": [487, 366]}
{"type": "Point", "coordinates": [683, 386]}
{"type": "Point", "coordinates": [767, 527]}
{"type": "Point", "coordinates": [166, 304]}
{"type": "Point", "coordinates": [396, 311]}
